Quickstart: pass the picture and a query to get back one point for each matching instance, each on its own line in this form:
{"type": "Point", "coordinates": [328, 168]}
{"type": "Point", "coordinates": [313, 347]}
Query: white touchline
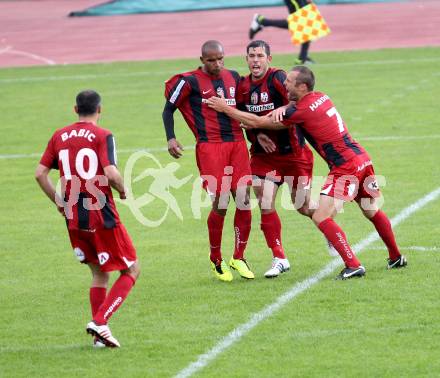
{"type": "Point", "coordinates": [235, 335]}
{"type": "Point", "coordinates": [189, 148]}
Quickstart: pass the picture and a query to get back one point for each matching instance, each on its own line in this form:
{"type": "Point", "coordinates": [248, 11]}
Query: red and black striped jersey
{"type": "Point", "coordinates": [81, 151]}
{"type": "Point", "coordinates": [189, 91]}
{"type": "Point", "coordinates": [261, 97]}
{"type": "Point", "coordinates": [324, 128]}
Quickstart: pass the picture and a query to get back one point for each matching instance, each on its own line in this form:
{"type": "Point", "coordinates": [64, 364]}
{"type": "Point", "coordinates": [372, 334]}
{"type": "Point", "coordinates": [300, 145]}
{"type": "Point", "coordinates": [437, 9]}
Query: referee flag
{"type": "Point", "coordinates": [307, 24]}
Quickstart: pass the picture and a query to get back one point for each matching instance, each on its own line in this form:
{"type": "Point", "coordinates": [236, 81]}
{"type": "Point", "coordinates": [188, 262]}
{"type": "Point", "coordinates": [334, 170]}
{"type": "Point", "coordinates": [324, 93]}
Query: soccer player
{"type": "Point", "coordinates": [221, 151]}
{"type": "Point", "coordinates": [351, 175]}
{"type": "Point", "coordinates": [277, 156]}
{"type": "Point", "coordinates": [259, 22]}
{"type": "Point", "coordinates": [85, 155]}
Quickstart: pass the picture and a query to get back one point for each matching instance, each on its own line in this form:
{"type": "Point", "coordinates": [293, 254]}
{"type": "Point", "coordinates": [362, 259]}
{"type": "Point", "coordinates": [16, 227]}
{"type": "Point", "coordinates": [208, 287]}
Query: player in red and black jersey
{"type": "Point", "coordinates": [277, 156]}
{"type": "Point", "coordinates": [351, 175]}
{"type": "Point", "coordinates": [221, 151]}
{"type": "Point", "coordinates": [85, 155]}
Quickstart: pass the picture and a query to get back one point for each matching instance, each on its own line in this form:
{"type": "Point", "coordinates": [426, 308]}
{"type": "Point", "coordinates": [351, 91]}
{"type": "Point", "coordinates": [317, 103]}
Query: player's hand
{"type": "Point", "coordinates": [267, 143]}
{"type": "Point", "coordinates": [217, 103]}
{"type": "Point", "coordinates": [246, 126]}
{"type": "Point", "coordinates": [61, 210]}
{"type": "Point", "coordinates": [279, 113]}
{"type": "Point", "coordinates": [175, 148]}
{"type": "Point", "coordinates": [122, 195]}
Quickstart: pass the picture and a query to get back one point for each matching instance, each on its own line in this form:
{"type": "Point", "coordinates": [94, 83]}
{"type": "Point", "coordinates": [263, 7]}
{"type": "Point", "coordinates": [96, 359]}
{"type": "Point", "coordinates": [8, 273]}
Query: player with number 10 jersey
{"type": "Point", "coordinates": [80, 151]}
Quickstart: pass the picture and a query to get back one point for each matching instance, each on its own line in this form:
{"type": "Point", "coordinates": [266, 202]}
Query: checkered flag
{"type": "Point", "coordinates": [307, 24]}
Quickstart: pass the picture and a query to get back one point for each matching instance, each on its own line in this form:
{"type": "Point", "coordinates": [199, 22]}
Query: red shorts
{"type": "Point", "coordinates": [112, 248]}
{"type": "Point", "coordinates": [353, 180]}
{"type": "Point", "coordinates": [223, 166]}
{"type": "Point", "coordinates": [291, 169]}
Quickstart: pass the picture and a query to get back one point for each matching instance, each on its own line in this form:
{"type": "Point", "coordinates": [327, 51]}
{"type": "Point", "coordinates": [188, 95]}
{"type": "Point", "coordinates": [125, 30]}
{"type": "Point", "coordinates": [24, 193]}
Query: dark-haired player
{"type": "Point", "coordinates": [259, 22]}
{"type": "Point", "coordinates": [277, 156]}
{"type": "Point", "coordinates": [85, 155]}
{"type": "Point", "coordinates": [351, 175]}
{"type": "Point", "coordinates": [221, 151]}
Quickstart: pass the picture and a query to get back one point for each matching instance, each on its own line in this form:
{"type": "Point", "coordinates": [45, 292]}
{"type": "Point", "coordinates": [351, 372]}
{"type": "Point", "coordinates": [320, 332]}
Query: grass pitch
{"type": "Point", "coordinates": [383, 325]}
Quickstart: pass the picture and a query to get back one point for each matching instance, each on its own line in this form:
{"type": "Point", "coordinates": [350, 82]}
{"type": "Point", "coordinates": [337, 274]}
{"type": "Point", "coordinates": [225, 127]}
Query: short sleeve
{"type": "Point", "coordinates": [239, 98]}
{"type": "Point", "coordinates": [291, 116]}
{"type": "Point", "coordinates": [177, 89]}
{"type": "Point", "coordinates": [278, 82]}
{"type": "Point", "coordinates": [107, 151]}
{"type": "Point", "coordinates": [50, 158]}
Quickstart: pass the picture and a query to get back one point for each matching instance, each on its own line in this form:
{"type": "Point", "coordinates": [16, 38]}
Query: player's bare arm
{"type": "Point", "coordinates": [248, 120]}
{"type": "Point", "coordinates": [115, 180]}
{"type": "Point", "coordinates": [43, 179]}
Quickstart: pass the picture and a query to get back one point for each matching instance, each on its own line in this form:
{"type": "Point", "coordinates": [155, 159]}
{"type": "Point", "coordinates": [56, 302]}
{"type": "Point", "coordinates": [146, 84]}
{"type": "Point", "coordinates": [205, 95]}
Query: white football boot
{"type": "Point", "coordinates": [103, 333]}
{"type": "Point", "coordinates": [278, 266]}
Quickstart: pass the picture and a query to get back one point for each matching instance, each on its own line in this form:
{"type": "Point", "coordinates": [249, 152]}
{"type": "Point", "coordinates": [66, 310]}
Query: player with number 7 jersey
{"type": "Point", "coordinates": [324, 129]}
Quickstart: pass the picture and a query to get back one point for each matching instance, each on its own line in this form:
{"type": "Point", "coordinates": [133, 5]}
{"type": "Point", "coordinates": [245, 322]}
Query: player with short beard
{"type": "Point", "coordinates": [85, 155]}
{"type": "Point", "coordinates": [351, 175]}
{"type": "Point", "coordinates": [221, 151]}
{"type": "Point", "coordinates": [277, 156]}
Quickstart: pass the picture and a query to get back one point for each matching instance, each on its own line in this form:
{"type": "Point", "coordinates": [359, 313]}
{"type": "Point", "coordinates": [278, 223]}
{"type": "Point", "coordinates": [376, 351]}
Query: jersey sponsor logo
{"type": "Point", "coordinates": [82, 133]}
{"type": "Point", "coordinates": [254, 98]}
{"type": "Point", "coordinates": [177, 91]}
{"type": "Point", "coordinates": [205, 92]}
{"type": "Point", "coordinates": [80, 255]}
{"type": "Point", "coordinates": [220, 92]}
{"type": "Point", "coordinates": [229, 101]}
{"type": "Point", "coordinates": [264, 97]}
{"type": "Point", "coordinates": [260, 108]}
{"type": "Point", "coordinates": [318, 102]}
{"type": "Point", "coordinates": [232, 91]}
{"type": "Point", "coordinates": [103, 257]}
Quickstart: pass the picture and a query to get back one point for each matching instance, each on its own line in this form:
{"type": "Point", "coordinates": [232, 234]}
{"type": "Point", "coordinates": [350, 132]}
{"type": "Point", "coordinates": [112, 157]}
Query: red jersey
{"type": "Point", "coordinates": [81, 151]}
{"type": "Point", "coordinates": [324, 128]}
{"type": "Point", "coordinates": [189, 92]}
{"type": "Point", "coordinates": [261, 97]}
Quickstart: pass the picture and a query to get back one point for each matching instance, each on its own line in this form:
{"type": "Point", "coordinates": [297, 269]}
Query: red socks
{"type": "Point", "coordinates": [271, 227]}
{"type": "Point", "coordinates": [97, 297]}
{"type": "Point", "coordinates": [336, 236]}
{"type": "Point", "coordinates": [383, 227]}
{"type": "Point", "coordinates": [242, 228]}
{"type": "Point", "coordinates": [215, 229]}
{"type": "Point", "coordinates": [114, 299]}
